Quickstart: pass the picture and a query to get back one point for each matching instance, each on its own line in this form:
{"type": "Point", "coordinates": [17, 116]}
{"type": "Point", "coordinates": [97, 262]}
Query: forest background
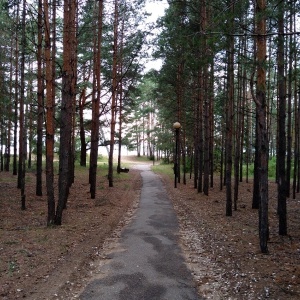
{"type": "Point", "coordinates": [72, 70]}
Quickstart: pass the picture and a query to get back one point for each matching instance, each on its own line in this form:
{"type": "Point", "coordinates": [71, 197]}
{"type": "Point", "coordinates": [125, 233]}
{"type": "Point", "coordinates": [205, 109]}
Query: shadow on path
{"type": "Point", "coordinates": [148, 263]}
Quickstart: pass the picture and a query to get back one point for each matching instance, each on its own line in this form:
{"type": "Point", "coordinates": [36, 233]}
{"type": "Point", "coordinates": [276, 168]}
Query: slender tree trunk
{"type": "Point", "coordinates": [211, 125]}
{"type": "Point", "coordinates": [222, 161]}
{"type": "Point", "coordinates": [179, 100]}
{"type": "Point", "coordinates": [113, 97]}
{"type": "Point", "coordinates": [200, 132]}
{"type": "Point", "coordinates": [229, 119]}
{"type": "Point", "coordinates": [121, 95]}
{"type": "Point", "coordinates": [30, 121]}
{"type": "Point", "coordinates": [196, 135]}
{"type": "Point", "coordinates": [206, 168]}
{"type": "Point", "coordinates": [22, 131]}
{"type": "Point", "coordinates": [244, 106]}
{"type": "Point", "coordinates": [73, 88]}
{"type": "Point", "coordinates": [289, 111]}
{"type": "Point", "coordinates": [49, 119]}
{"type": "Point", "coordinates": [237, 137]}
{"type": "Point", "coordinates": [296, 123]}
{"type": "Point", "coordinates": [281, 126]}
{"type": "Point", "coordinates": [68, 75]}
{"type": "Point", "coordinates": [40, 104]}
{"type": "Point", "coordinates": [262, 133]}
{"type": "Point", "coordinates": [7, 151]}
{"type": "Point", "coordinates": [82, 100]}
{"type": "Point", "coordinates": [256, 179]}
{"type": "Point", "coordinates": [16, 101]}
{"type": "Point", "coordinates": [96, 96]}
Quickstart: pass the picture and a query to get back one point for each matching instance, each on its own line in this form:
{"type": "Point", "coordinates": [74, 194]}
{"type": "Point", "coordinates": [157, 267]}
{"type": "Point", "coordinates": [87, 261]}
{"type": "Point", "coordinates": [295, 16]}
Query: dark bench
{"type": "Point", "coordinates": [124, 170]}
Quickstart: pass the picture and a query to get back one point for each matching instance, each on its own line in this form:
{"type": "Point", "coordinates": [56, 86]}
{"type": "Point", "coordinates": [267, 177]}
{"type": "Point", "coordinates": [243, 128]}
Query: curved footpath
{"type": "Point", "coordinates": [150, 265]}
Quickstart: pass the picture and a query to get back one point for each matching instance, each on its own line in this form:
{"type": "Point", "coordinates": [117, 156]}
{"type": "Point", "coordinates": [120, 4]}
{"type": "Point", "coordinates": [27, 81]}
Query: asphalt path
{"type": "Point", "coordinates": [150, 264]}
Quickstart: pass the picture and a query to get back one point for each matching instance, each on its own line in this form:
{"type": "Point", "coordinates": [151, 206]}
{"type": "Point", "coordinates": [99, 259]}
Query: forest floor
{"type": "Point", "coordinates": [39, 262]}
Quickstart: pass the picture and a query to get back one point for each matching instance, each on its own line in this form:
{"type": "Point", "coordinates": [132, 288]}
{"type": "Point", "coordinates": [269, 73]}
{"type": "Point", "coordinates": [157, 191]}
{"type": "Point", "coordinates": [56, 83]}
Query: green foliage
{"type": "Point", "coordinates": [188, 161]}
{"type": "Point", "coordinates": [271, 169]}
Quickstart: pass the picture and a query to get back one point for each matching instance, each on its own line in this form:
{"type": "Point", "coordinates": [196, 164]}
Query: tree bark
{"type": "Point", "coordinates": [281, 126]}
{"type": "Point", "coordinates": [96, 103]}
{"type": "Point", "coordinates": [49, 119]}
{"type": "Point", "coordinates": [113, 97]}
{"type": "Point", "coordinates": [229, 117]}
{"type": "Point", "coordinates": [68, 93]}
{"type": "Point", "coordinates": [16, 100]}
{"type": "Point", "coordinates": [22, 131]}
{"type": "Point", "coordinates": [262, 133]}
{"type": "Point", "coordinates": [40, 104]}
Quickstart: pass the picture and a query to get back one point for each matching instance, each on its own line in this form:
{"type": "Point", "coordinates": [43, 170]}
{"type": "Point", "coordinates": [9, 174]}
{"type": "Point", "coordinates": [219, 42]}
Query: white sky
{"type": "Point", "coordinates": [156, 9]}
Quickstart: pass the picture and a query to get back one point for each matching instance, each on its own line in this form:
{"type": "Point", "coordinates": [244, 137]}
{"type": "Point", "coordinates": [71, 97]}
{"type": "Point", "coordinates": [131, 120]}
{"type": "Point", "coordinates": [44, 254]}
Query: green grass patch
{"type": "Point", "coordinates": [166, 169]}
{"type": "Point", "coordinates": [141, 158]}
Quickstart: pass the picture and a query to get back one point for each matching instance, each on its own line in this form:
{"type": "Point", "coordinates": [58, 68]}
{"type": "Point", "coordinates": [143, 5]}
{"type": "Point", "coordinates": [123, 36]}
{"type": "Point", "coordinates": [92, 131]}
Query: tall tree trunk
{"type": "Point", "coordinates": [73, 88]}
{"type": "Point", "coordinates": [30, 119]}
{"type": "Point", "coordinates": [296, 124]}
{"type": "Point", "coordinates": [179, 100]}
{"type": "Point", "coordinates": [256, 173]}
{"type": "Point", "coordinates": [200, 131]}
{"type": "Point", "coordinates": [196, 134]}
{"type": "Point", "coordinates": [113, 97]}
{"type": "Point", "coordinates": [7, 151]}
{"type": "Point", "coordinates": [281, 125]}
{"type": "Point", "coordinates": [96, 103]}
{"type": "Point", "coordinates": [206, 135]}
{"type": "Point", "coordinates": [237, 133]}
{"type": "Point", "coordinates": [22, 131]}
{"type": "Point", "coordinates": [260, 100]}
{"type": "Point", "coordinates": [16, 101]}
{"type": "Point", "coordinates": [229, 116]}
{"type": "Point", "coordinates": [222, 161]}
{"type": "Point", "coordinates": [68, 93]}
{"type": "Point", "coordinates": [206, 102]}
{"type": "Point", "coordinates": [289, 111]}
{"type": "Point", "coordinates": [82, 100]}
{"type": "Point", "coordinates": [211, 124]}
{"type": "Point", "coordinates": [49, 119]}
{"type": "Point", "coordinates": [244, 109]}
{"type": "Point", "coordinates": [40, 104]}
{"type": "Point", "coordinates": [120, 92]}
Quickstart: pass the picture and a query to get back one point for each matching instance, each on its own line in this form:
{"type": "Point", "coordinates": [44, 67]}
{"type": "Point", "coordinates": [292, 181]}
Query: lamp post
{"type": "Point", "coordinates": [176, 126]}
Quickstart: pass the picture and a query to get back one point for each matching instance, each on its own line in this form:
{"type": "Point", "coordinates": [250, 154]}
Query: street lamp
{"type": "Point", "coordinates": [176, 126]}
